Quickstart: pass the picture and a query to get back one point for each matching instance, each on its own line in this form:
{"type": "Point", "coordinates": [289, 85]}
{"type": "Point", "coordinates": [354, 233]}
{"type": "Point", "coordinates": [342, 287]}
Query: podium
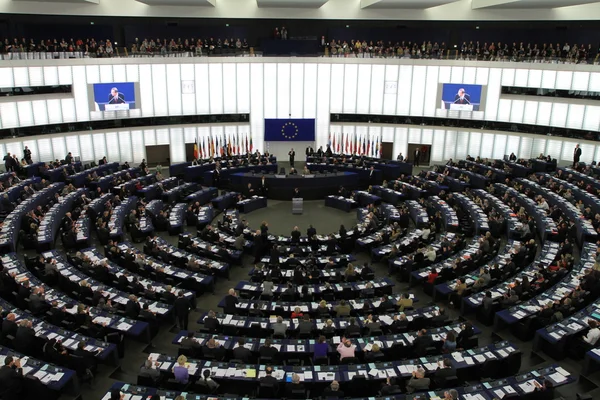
{"type": "Point", "coordinates": [297, 205]}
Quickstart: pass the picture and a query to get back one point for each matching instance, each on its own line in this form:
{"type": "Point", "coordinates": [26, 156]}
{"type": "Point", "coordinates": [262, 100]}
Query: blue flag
{"type": "Point", "coordinates": [289, 130]}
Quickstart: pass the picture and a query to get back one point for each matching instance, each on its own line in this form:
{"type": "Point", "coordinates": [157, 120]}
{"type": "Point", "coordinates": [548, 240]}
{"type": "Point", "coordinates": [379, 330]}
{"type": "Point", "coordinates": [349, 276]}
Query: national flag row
{"type": "Point", "coordinates": [221, 145]}
{"type": "Point", "coordinates": [354, 143]}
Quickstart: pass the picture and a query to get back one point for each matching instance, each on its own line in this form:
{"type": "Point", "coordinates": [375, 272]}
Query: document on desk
{"type": "Point", "coordinates": [479, 358]}
{"type": "Point", "coordinates": [165, 366]}
{"type": "Point", "coordinates": [308, 375]}
{"type": "Point", "coordinates": [562, 371]}
{"type": "Point", "coordinates": [558, 377]}
{"type": "Point", "coordinates": [499, 393]}
{"type": "Point", "coordinates": [528, 386]}
{"type": "Point", "coordinates": [403, 370]}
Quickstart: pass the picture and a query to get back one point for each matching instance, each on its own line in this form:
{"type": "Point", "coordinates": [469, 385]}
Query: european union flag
{"type": "Point", "coordinates": [289, 130]}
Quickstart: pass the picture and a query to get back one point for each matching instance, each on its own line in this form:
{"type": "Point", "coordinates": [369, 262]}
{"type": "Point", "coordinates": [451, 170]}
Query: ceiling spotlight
{"type": "Point", "coordinates": [347, 26]}
{"type": "Point", "coordinates": [476, 27]}
{"type": "Point", "coordinates": [226, 24]}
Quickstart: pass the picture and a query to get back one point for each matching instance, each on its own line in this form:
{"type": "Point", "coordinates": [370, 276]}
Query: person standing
{"type": "Point", "coordinates": [8, 162]}
{"type": "Point", "coordinates": [182, 310]}
{"type": "Point", "coordinates": [576, 154]}
{"type": "Point", "coordinates": [417, 156]}
{"type": "Point", "coordinates": [27, 155]}
{"type": "Point", "coordinates": [292, 155]}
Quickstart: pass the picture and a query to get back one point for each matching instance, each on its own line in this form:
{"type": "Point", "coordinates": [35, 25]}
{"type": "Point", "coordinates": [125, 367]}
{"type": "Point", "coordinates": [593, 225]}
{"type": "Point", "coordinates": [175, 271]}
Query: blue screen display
{"type": "Point", "coordinates": [465, 97]}
{"type": "Point", "coordinates": [115, 96]}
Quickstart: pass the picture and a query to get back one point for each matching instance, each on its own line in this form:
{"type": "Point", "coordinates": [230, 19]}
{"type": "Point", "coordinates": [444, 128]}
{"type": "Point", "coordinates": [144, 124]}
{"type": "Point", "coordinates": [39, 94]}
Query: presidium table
{"type": "Point", "coordinates": [311, 187]}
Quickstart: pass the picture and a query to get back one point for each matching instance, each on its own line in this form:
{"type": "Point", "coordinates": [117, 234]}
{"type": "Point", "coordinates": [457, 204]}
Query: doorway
{"type": "Point", "coordinates": [425, 157]}
{"type": "Point", "coordinates": [387, 151]}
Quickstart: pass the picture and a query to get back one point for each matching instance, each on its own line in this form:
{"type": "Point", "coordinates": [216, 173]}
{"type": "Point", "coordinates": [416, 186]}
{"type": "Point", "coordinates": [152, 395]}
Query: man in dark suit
{"type": "Point", "coordinates": [296, 194]}
{"type": "Point", "coordinates": [268, 351]}
{"type": "Point", "coordinates": [576, 154]}
{"type": "Point", "coordinates": [216, 177]}
{"type": "Point", "coordinates": [462, 97]}
{"type": "Point", "coordinates": [241, 352]}
{"type": "Point", "coordinates": [11, 379]}
{"type": "Point", "coordinates": [372, 175]}
{"type": "Point", "coordinates": [444, 371]}
{"type": "Point", "coordinates": [294, 386]}
{"type": "Point", "coordinates": [333, 391]}
{"type": "Point", "coordinates": [422, 342]}
{"type": "Point", "coordinates": [269, 379]}
{"type": "Point", "coordinates": [263, 188]}
{"type": "Point", "coordinates": [417, 157]}
{"type": "Point", "coordinates": [311, 231]}
{"type": "Point", "coordinates": [115, 97]}
{"type": "Point", "coordinates": [9, 326]}
{"type": "Point", "coordinates": [231, 301]}
{"type": "Point", "coordinates": [182, 310]}
{"type": "Point", "coordinates": [69, 158]}
{"type": "Point", "coordinates": [25, 336]}
{"type": "Point", "coordinates": [296, 235]}
{"type": "Point", "coordinates": [132, 308]}
{"type": "Point", "coordinates": [292, 155]}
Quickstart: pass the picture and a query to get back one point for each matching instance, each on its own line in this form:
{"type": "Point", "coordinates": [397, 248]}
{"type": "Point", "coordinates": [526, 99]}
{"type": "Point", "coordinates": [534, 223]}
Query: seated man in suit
{"type": "Point", "coordinates": [445, 370]}
{"type": "Point", "coordinates": [417, 381]}
{"type": "Point", "coordinates": [422, 342]}
{"type": "Point", "coordinates": [241, 352]}
{"type": "Point", "coordinates": [333, 391]}
{"type": "Point", "coordinates": [291, 388]}
{"type": "Point", "coordinates": [189, 342]}
{"type": "Point", "coordinates": [211, 322]}
{"type": "Point", "coordinates": [11, 379]}
{"type": "Point", "coordinates": [150, 370]}
{"type": "Point", "coordinates": [305, 326]}
{"type": "Point", "coordinates": [268, 351]}
{"type": "Point", "coordinates": [269, 379]}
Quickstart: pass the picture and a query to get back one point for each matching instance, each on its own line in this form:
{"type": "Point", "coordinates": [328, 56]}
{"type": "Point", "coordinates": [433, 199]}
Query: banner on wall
{"type": "Point", "coordinates": [290, 130]}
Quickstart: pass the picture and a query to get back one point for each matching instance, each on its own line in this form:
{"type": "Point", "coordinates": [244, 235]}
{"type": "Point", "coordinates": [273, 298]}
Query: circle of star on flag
{"type": "Point", "coordinates": [289, 130]}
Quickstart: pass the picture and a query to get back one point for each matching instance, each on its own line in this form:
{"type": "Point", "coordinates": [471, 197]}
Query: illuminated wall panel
{"type": "Point", "coordinates": [310, 91]}
{"type": "Point", "coordinates": [554, 148]}
{"type": "Point", "coordinates": [80, 94]}
{"type": "Point", "coordinates": [401, 142]}
{"type": "Point", "coordinates": [270, 93]}
{"type": "Point", "coordinates": [138, 147]}
{"type": "Point", "coordinates": [229, 88]}
{"type": "Point", "coordinates": [215, 83]}
{"type": "Point", "coordinates": [45, 150]}
{"type": "Point", "coordinates": [59, 149]}
{"type": "Point", "coordinates": [414, 135]}
{"type": "Point", "coordinates": [336, 92]}
{"type": "Point", "coordinates": [350, 85]}
{"type": "Point", "coordinates": [535, 78]}
{"type": "Point", "coordinates": [282, 98]}
{"type": "Point", "coordinates": [159, 89]}
{"type": "Point", "coordinates": [525, 148]}
{"type": "Point", "coordinates": [587, 152]}
{"type": "Point", "coordinates": [146, 90]}
{"type": "Point", "coordinates": [508, 77]}
{"type": "Point", "coordinates": [591, 121]}
{"type": "Point", "coordinates": [538, 147]}
{"type": "Point", "coordinates": [530, 113]}
{"type": "Point", "coordinates": [462, 145]}
{"type": "Point", "coordinates": [177, 145]}
{"type": "Point", "coordinates": [25, 113]}
{"type": "Point", "coordinates": [297, 90]}
{"type": "Point", "coordinates": [456, 75]}
{"type": "Point", "coordinates": [594, 82]}
{"type": "Point", "coordinates": [174, 89]}
{"type": "Point", "coordinates": [431, 89]}
{"type": "Point", "coordinates": [188, 99]}
{"type": "Point", "coordinates": [202, 89]}
{"type": "Point", "coordinates": [125, 147]}
{"type": "Point", "coordinates": [106, 74]}
{"type": "Point", "coordinates": [544, 113]}
{"type": "Point", "coordinates": [517, 110]}
{"type": "Point", "coordinates": [581, 81]}
{"type": "Point", "coordinates": [113, 149]}
{"type": "Point", "coordinates": [482, 76]}
{"type": "Point", "coordinates": [449, 145]}
{"type": "Point", "coordinates": [162, 136]}
{"type": "Point", "coordinates": [493, 94]}
{"type": "Point", "coordinates": [504, 108]}
{"type": "Point", "coordinates": [323, 106]}
{"type": "Point", "coordinates": [9, 114]}
{"type": "Point", "coordinates": [243, 88]}
{"type": "Point", "coordinates": [474, 144]}
{"type": "Point", "coordinates": [72, 143]}
{"type": "Point", "coordinates": [568, 149]}
{"type": "Point", "coordinates": [21, 76]}
{"type": "Point", "coordinates": [377, 86]}
{"type": "Point", "coordinates": [119, 73]}
{"type": "Point", "coordinates": [68, 110]}
{"type": "Point", "coordinates": [548, 79]}
{"type": "Point", "coordinates": [512, 144]}
{"type": "Point", "coordinates": [559, 114]}
{"type": "Point", "coordinates": [575, 115]}
{"type": "Point", "coordinates": [390, 96]}
{"type": "Point", "coordinates": [563, 80]}
{"type": "Point", "coordinates": [257, 104]}
{"type": "Point", "coordinates": [469, 75]}
{"type": "Point", "coordinates": [54, 111]}
{"type": "Point", "coordinates": [499, 146]}
{"type": "Point", "coordinates": [6, 78]}
{"type": "Point", "coordinates": [99, 146]}
{"type": "Point", "coordinates": [363, 90]}
{"type": "Point", "coordinates": [404, 90]}
{"type": "Point", "coordinates": [418, 90]}
{"type": "Point", "coordinates": [86, 147]}
{"type": "Point", "coordinates": [487, 147]}
{"type": "Point", "coordinates": [51, 76]}
{"type": "Point", "coordinates": [521, 77]}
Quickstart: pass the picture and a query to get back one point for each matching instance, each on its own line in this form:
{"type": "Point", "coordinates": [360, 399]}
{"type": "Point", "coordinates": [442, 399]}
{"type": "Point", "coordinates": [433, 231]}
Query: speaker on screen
{"type": "Point", "coordinates": [461, 97]}
{"type": "Point", "coordinates": [115, 96]}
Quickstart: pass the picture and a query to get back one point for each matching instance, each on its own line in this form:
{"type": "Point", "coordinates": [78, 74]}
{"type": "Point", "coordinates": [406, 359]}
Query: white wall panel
{"type": "Point", "coordinates": [283, 91]}
{"type": "Point", "coordinates": [517, 110]}
{"type": "Point", "coordinates": [59, 149]}
{"type": "Point", "coordinates": [138, 147]}
{"type": "Point", "coordinates": [323, 106]}
{"type": "Point", "coordinates": [86, 147]}
{"type": "Point", "coordinates": [25, 113]}
{"type": "Point", "coordinates": [377, 82]}
{"type": "Point", "coordinates": [581, 81]}
{"type": "Point", "coordinates": [591, 121]}
{"type": "Point", "coordinates": [594, 82]}
{"type": "Point", "coordinates": [438, 148]}
{"type": "Point", "coordinates": [72, 143]}
{"type": "Point", "coordinates": [9, 114]}
{"type": "Point", "coordinates": [32, 144]}
{"type": "Point", "coordinates": [133, 73]}
{"type": "Point", "coordinates": [125, 147]}
{"type": "Point", "coordinates": [14, 148]}
{"type": "Point", "coordinates": [188, 100]}
{"type": "Point", "coordinates": [215, 83]}
{"type": "Point", "coordinates": [54, 111]}
{"type": "Point", "coordinates": [414, 135]}
{"type": "Point", "coordinates": [544, 113]}
{"type": "Point", "coordinates": [469, 75]}
{"type": "Point", "coordinates": [559, 114]}
{"type": "Point", "coordinates": [487, 150]}
{"type": "Point", "coordinates": [418, 90]}
{"type": "Point", "coordinates": [40, 112]}
{"type": "Point", "coordinates": [548, 79]}
{"type": "Point", "coordinates": [297, 90]}
{"type": "Point", "coordinates": [160, 90]}
{"type": "Point", "coordinates": [587, 152]}
{"type": "Point", "coordinates": [45, 150]}
{"type": "Point", "coordinates": [65, 76]}
{"type": "Point", "coordinates": [456, 75]}
{"type": "Point", "coordinates": [163, 136]}
{"type": "Point", "coordinates": [521, 77]}
{"type": "Point", "coordinates": [538, 147]}
{"type": "Point", "coordinates": [431, 89]}
{"type": "Point", "coordinates": [145, 90]}
{"type": "Point", "coordinates": [449, 145]}
{"type": "Point", "coordinates": [504, 110]}
{"type": "Point", "coordinates": [119, 73]}
{"type": "Point", "coordinates": [389, 99]}
{"type": "Point", "coordinates": [508, 77]}
{"type": "Point", "coordinates": [6, 78]}
{"type": "Point", "coordinates": [499, 146]}
{"type": "Point", "coordinates": [174, 89]}
{"type": "Point", "coordinates": [363, 89]}
{"type": "Point", "coordinates": [474, 144]}
{"type": "Point", "coordinates": [554, 148]}
{"type": "Point", "coordinates": [493, 94]}
{"type": "Point", "coordinates": [337, 87]}
{"type": "Point", "coordinates": [575, 116]}
{"type": "Point", "coordinates": [567, 150]}
{"type": "Point", "coordinates": [51, 76]}
{"type": "Point", "coordinates": [401, 142]}
{"type": "Point", "coordinates": [202, 89]}
{"type": "Point", "coordinates": [36, 76]}
{"type": "Point", "coordinates": [80, 94]}
{"type": "Point", "coordinates": [482, 76]}
{"type": "Point", "coordinates": [92, 73]}
{"type": "Point", "coordinates": [68, 110]}
{"type": "Point", "coordinates": [106, 74]}
{"type": "Point", "coordinates": [535, 78]}
{"type": "Point", "coordinates": [243, 88]}
{"type": "Point", "coordinates": [270, 93]}
{"type": "Point", "coordinates": [177, 145]}
{"type": "Point", "coordinates": [229, 88]}
{"type": "Point", "coordinates": [113, 150]}
{"type": "Point", "coordinates": [257, 104]}
{"type": "Point", "coordinates": [190, 134]}
{"type": "Point", "coordinates": [525, 148]}
{"type": "Point", "coordinates": [462, 145]}
{"type": "Point", "coordinates": [310, 91]}
{"type": "Point", "coordinates": [404, 90]}
{"type": "Point", "coordinates": [150, 137]}
{"type": "Point", "coordinates": [350, 86]}
{"type": "Point", "coordinates": [427, 136]}
{"type": "Point", "coordinates": [387, 135]}
{"type": "Point", "coordinates": [563, 80]}
{"type": "Point", "coordinates": [530, 113]}
{"type": "Point", "coordinates": [99, 146]}
{"type": "Point", "coordinates": [512, 144]}
{"type": "Point", "coordinates": [21, 76]}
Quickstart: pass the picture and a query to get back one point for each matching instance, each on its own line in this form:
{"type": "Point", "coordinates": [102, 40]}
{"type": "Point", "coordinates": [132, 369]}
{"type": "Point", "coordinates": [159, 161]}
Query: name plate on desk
{"type": "Point", "coordinates": [116, 107]}
{"type": "Point", "coordinates": [461, 107]}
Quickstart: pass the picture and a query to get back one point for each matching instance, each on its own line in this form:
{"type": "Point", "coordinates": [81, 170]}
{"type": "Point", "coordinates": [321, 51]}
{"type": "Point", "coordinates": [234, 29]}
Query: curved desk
{"type": "Point", "coordinates": [317, 187]}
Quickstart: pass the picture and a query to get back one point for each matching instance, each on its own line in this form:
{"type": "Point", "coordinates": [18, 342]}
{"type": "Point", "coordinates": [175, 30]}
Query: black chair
{"type": "Point", "coordinates": [146, 381]}
{"type": "Point", "coordinates": [298, 394]}
{"type": "Point", "coordinates": [321, 361]}
{"type": "Point", "coordinates": [492, 369]}
{"type": "Point", "coordinates": [267, 391]}
{"type": "Point", "coordinates": [512, 363]}
{"type": "Point", "coordinates": [349, 360]}
{"type": "Point", "coordinates": [359, 387]}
